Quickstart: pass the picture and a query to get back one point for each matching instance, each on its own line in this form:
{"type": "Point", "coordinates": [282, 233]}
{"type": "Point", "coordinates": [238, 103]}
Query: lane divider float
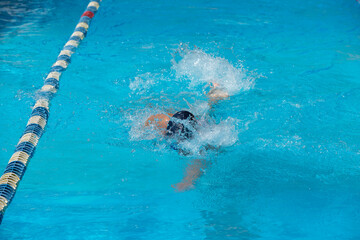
{"type": "Point", "coordinates": [25, 148]}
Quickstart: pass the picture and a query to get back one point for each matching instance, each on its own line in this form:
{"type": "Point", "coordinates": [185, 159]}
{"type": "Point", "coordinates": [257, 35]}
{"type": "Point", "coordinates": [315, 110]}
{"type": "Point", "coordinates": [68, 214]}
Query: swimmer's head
{"type": "Point", "coordinates": [181, 125]}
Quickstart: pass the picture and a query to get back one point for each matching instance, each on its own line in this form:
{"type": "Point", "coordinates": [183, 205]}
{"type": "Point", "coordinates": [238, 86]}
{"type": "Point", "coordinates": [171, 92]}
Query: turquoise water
{"type": "Point", "coordinates": [287, 166]}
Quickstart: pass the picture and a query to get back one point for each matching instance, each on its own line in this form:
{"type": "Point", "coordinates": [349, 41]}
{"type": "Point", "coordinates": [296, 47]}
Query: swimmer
{"type": "Point", "coordinates": [183, 123]}
{"type": "Point", "coordinates": [181, 126]}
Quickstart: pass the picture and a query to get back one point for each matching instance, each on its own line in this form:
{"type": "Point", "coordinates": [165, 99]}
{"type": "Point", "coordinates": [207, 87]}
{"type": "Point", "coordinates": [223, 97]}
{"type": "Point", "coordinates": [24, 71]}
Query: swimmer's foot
{"type": "Point", "coordinates": [183, 186]}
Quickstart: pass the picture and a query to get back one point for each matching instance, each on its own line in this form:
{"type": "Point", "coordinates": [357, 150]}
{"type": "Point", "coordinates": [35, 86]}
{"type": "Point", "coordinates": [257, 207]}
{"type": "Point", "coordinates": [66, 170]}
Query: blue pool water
{"type": "Point", "coordinates": [288, 158]}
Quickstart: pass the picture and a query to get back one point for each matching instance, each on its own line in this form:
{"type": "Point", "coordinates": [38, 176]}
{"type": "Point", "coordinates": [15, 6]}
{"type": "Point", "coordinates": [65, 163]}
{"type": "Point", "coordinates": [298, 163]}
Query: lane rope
{"type": "Point", "coordinates": [25, 148]}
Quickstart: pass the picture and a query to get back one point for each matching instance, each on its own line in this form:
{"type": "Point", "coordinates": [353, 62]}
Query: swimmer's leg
{"type": "Point", "coordinates": [193, 171]}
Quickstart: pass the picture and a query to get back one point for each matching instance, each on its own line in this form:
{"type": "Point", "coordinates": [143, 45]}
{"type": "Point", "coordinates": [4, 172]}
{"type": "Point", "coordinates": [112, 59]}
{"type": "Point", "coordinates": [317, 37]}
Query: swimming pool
{"type": "Point", "coordinates": [288, 167]}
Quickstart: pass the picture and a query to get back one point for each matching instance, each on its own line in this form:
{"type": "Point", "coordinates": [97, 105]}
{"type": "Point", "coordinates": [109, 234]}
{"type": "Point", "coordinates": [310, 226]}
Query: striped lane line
{"type": "Point", "coordinates": [35, 127]}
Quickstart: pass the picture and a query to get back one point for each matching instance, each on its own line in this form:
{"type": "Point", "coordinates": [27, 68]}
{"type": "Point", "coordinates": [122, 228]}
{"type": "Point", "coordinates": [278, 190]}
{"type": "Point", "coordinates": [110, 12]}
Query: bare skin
{"type": "Point", "coordinates": [217, 93]}
{"type": "Point", "coordinates": [160, 122]}
{"type": "Point", "coordinates": [192, 173]}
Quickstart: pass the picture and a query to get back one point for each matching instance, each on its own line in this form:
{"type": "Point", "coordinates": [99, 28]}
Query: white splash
{"type": "Point", "coordinates": [200, 67]}
{"type": "Point", "coordinates": [142, 83]}
{"type": "Point", "coordinates": [212, 136]}
{"type": "Point", "coordinates": [209, 135]}
{"type": "Point", "coordinates": [137, 120]}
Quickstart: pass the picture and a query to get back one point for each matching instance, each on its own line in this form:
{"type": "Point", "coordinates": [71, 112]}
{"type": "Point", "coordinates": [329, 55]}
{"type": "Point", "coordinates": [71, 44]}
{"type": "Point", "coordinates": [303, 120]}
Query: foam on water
{"type": "Point", "coordinates": [137, 119]}
{"type": "Point", "coordinates": [212, 136]}
{"type": "Point", "coordinates": [209, 135]}
{"type": "Point", "coordinates": [142, 83]}
{"type": "Point", "coordinates": [202, 68]}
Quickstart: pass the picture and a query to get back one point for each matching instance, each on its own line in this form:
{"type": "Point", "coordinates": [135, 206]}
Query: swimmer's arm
{"type": "Point", "coordinates": [192, 173]}
{"type": "Point", "coordinates": [159, 121]}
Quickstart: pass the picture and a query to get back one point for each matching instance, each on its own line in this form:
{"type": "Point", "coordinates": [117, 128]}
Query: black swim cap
{"type": "Point", "coordinates": [182, 124]}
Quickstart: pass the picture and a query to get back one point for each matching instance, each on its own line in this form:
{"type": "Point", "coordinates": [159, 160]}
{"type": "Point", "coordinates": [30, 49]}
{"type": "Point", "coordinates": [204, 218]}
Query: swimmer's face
{"type": "Point", "coordinates": [159, 121]}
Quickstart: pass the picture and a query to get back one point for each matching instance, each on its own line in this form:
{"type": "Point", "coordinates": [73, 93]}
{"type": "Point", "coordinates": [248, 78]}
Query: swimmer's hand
{"type": "Point", "coordinates": [217, 93]}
